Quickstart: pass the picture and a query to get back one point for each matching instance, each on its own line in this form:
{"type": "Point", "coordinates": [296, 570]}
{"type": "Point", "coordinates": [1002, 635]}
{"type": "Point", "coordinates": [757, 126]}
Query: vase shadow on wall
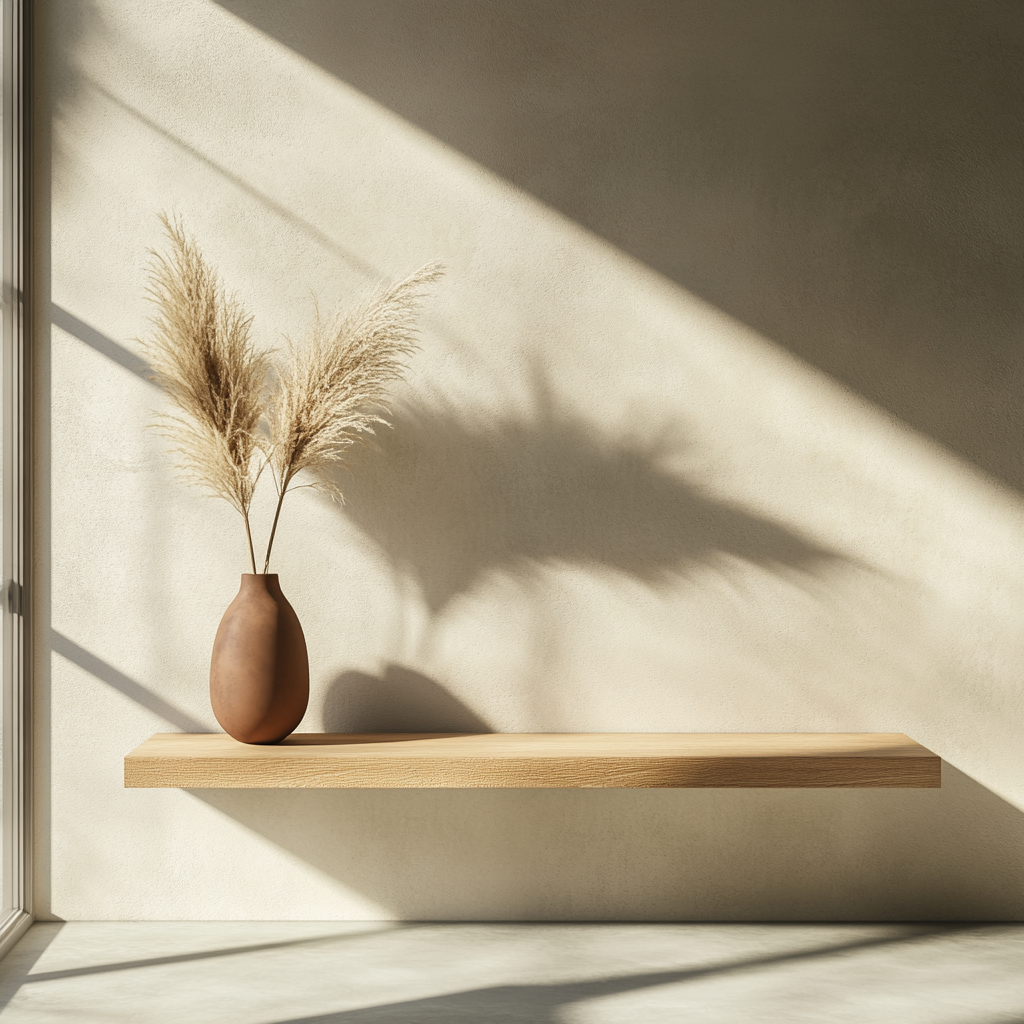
{"type": "Point", "coordinates": [398, 700]}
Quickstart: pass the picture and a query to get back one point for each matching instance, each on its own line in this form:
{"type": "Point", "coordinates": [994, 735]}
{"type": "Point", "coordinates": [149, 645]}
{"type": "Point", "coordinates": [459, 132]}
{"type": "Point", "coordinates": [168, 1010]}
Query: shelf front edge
{"type": "Point", "coordinates": [336, 768]}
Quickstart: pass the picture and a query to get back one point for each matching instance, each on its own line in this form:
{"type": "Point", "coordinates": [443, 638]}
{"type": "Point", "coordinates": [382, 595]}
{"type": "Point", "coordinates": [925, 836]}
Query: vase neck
{"type": "Point", "coordinates": [263, 581]}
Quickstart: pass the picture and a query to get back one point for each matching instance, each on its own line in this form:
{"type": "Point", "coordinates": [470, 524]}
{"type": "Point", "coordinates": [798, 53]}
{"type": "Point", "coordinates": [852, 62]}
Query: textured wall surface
{"type": "Point", "coordinates": [715, 427]}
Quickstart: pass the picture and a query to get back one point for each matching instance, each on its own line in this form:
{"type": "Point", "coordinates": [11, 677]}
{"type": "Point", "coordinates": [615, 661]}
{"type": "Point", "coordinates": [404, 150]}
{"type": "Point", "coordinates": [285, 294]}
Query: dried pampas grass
{"type": "Point", "coordinates": [334, 390]}
{"type": "Point", "coordinates": [202, 355]}
{"type": "Point", "coordinates": [230, 423]}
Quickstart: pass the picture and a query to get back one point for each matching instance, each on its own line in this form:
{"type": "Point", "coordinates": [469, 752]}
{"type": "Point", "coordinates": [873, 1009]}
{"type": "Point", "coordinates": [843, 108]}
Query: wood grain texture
{"type": "Point", "coordinates": [535, 760]}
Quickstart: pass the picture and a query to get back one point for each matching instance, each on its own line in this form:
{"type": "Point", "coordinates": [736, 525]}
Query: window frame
{"type": "Point", "coordinates": [16, 489]}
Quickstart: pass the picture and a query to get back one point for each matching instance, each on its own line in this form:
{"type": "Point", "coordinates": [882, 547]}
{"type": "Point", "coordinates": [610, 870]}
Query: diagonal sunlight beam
{"type": "Point", "coordinates": [106, 673]}
{"type": "Point", "coordinates": [356, 262]}
{"type": "Point", "coordinates": [683, 139]}
{"type": "Point", "coordinates": [283, 212]}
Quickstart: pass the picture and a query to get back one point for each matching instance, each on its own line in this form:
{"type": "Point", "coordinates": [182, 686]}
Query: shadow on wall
{"type": "Point", "coordinates": [398, 700]}
{"type": "Point", "coordinates": [69, 28]}
{"type": "Point", "coordinates": [450, 499]}
{"type": "Point", "coordinates": [841, 176]}
{"type": "Point", "coordinates": [954, 853]}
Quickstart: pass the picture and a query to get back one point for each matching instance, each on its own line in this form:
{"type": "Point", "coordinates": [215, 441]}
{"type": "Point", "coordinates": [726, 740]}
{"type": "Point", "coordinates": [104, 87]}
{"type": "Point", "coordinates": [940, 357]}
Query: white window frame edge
{"type": "Point", "coordinates": [15, 405]}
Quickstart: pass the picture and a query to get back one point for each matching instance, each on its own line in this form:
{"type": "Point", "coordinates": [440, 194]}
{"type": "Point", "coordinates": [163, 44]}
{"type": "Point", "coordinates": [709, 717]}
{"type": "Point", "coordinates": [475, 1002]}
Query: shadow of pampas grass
{"type": "Point", "coordinates": [450, 498]}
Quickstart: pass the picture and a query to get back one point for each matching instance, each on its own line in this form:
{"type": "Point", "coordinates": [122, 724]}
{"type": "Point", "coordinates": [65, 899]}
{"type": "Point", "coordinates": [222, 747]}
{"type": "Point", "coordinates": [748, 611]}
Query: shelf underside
{"type": "Point", "coordinates": [535, 760]}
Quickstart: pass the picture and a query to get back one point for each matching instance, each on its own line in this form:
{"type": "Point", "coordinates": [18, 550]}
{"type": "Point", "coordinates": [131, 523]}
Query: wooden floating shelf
{"type": "Point", "coordinates": [535, 760]}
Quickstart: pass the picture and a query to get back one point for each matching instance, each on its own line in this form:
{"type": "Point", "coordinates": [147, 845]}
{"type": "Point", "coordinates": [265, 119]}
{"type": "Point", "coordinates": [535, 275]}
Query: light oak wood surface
{"type": "Point", "coordinates": [534, 760]}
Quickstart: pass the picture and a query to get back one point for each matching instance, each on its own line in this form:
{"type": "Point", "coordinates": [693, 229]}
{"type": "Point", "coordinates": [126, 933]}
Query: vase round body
{"type": "Point", "coordinates": [259, 672]}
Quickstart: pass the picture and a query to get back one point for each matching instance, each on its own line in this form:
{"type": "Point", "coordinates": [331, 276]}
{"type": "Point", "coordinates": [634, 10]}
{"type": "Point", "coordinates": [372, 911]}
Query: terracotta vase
{"type": "Point", "coordinates": [259, 673]}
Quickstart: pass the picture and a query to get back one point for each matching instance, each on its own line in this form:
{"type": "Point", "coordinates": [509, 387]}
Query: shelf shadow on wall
{"type": "Point", "coordinates": [842, 177]}
{"type": "Point", "coordinates": [449, 499]}
{"type": "Point", "coordinates": [955, 853]}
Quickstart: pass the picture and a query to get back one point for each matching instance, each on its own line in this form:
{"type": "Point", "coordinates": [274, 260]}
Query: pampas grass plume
{"type": "Point", "coordinates": [202, 355]}
{"type": "Point", "coordinates": [229, 424]}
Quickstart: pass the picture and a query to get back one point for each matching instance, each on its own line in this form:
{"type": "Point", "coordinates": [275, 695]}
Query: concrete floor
{"type": "Point", "coordinates": [290, 973]}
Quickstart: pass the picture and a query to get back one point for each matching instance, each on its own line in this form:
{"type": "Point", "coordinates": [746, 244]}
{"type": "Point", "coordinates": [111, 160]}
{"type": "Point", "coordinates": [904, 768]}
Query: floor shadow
{"type": "Point", "coordinates": [398, 700]}
{"type": "Point", "coordinates": [542, 1003]}
{"type": "Point", "coordinates": [842, 176]}
{"type": "Point", "coordinates": [16, 966]}
{"type": "Point", "coordinates": [449, 499]}
{"type": "Point", "coordinates": [177, 958]}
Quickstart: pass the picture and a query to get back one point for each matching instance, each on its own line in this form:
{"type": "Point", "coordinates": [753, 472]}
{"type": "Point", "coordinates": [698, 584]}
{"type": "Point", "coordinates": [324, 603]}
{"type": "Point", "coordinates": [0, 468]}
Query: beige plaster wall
{"type": "Point", "coordinates": [715, 427]}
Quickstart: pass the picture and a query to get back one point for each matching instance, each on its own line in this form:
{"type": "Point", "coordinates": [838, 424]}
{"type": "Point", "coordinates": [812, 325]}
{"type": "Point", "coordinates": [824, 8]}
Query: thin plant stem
{"type": "Point", "coordinates": [273, 529]}
{"type": "Point", "coordinates": [248, 537]}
